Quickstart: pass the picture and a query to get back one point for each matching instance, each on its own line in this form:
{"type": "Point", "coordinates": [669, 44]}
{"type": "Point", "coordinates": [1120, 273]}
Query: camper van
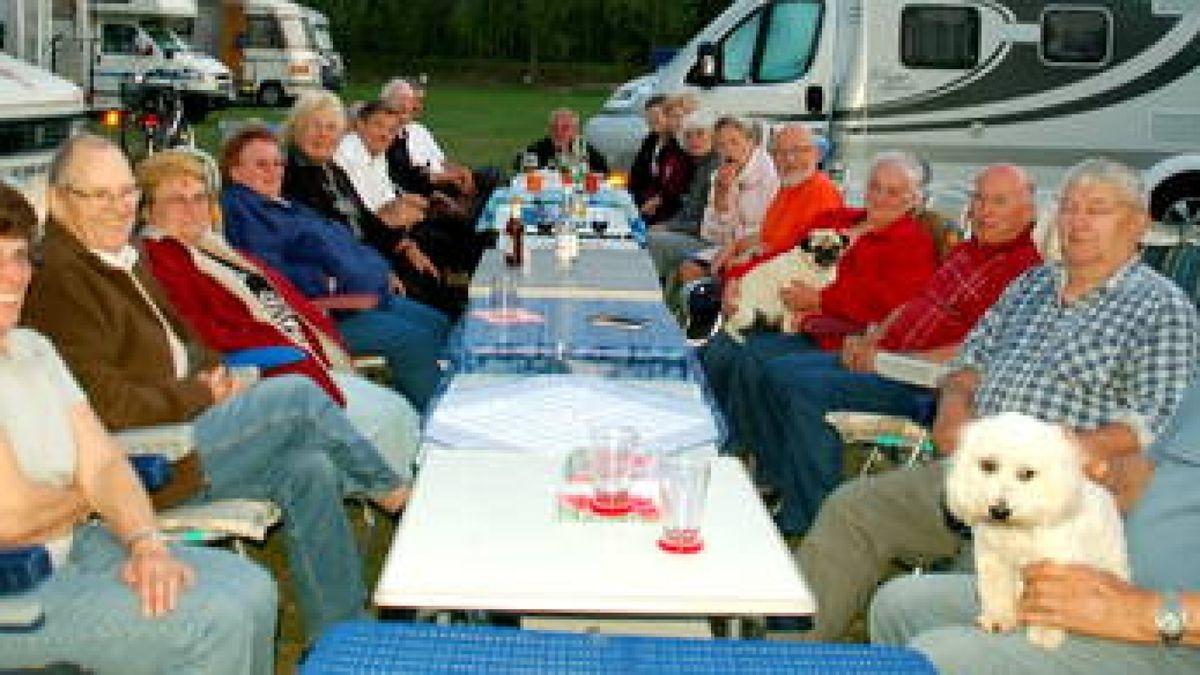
{"type": "Point", "coordinates": [266, 43]}
{"type": "Point", "coordinates": [38, 111]}
{"type": "Point", "coordinates": [333, 66]}
{"type": "Point", "coordinates": [142, 40]}
{"type": "Point", "coordinates": [961, 83]}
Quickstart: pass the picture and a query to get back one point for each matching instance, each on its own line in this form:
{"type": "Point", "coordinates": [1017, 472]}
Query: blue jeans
{"type": "Point", "coordinates": [935, 614]}
{"type": "Point", "coordinates": [285, 440]}
{"type": "Point", "coordinates": [734, 374]}
{"type": "Point", "coordinates": [409, 336]}
{"type": "Point", "coordinates": [223, 625]}
{"type": "Point", "coordinates": [800, 453]}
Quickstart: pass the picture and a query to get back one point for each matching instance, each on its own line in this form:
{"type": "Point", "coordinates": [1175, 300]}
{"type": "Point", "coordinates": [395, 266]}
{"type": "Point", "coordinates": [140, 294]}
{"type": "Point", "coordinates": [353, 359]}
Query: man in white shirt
{"type": "Point", "coordinates": [362, 155]}
{"type": "Point", "coordinates": [418, 162]}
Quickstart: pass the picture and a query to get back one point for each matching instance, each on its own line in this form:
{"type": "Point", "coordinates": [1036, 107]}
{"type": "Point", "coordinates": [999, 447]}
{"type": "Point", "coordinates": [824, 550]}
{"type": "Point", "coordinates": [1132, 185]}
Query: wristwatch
{"type": "Point", "coordinates": [1170, 619]}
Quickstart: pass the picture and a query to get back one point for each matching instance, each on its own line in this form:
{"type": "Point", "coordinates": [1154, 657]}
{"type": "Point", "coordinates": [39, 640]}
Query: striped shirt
{"type": "Point", "coordinates": [1123, 353]}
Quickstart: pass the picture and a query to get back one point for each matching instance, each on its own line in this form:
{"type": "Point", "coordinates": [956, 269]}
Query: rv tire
{"type": "Point", "coordinates": [270, 95]}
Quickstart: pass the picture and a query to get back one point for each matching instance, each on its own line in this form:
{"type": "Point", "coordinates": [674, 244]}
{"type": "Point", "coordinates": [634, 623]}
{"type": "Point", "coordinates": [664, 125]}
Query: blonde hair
{"type": "Point", "coordinates": [173, 164]}
{"type": "Point", "coordinates": [309, 105]}
{"type": "Point", "coordinates": [686, 103]}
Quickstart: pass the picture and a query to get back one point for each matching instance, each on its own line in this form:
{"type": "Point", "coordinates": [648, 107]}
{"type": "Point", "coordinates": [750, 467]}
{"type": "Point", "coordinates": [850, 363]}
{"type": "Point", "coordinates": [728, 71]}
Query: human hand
{"type": "Point", "coordinates": [221, 384]}
{"type": "Point", "coordinates": [156, 576]}
{"type": "Point", "coordinates": [395, 285]}
{"type": "Point", "coordinates": [1126, 477]}
{"type": "Point", "coordinates": [858, 353]}
{"type": "Point", "coordinates": [417, 258]}
{"type": "Point", "coordinates": [651, 206]}
{"type": "Point", "coordinates": [730, 294]}
{"type": "Point", "coordinates": [1085, 600]}
{"type": "Point", "coordinates": [800, 297]}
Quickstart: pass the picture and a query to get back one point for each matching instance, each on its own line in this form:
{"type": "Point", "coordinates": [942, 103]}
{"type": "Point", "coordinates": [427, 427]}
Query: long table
{"type": "Point", "coordinates": [482, 530]}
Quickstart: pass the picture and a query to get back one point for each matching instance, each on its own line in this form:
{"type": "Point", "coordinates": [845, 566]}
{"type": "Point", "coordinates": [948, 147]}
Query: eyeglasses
{"type": "Point", "coordinates": [104, 196]}
{"type": "Point", "coordinates": [267, 163]}
{"type": "Point", "coordinates": [181, 201]}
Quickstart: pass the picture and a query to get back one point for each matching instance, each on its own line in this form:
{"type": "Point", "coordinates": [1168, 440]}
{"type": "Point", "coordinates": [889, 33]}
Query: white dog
{"type": "Point", "coordinates": [1019, 483]}
{"type": "Point", "coordinates": [813, 262]}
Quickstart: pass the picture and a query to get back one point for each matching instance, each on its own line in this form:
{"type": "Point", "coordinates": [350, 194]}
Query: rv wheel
{"type": "Point", "coordinates": [270, 95]}
{"type": "Point", "coordinates": [1183, 216]}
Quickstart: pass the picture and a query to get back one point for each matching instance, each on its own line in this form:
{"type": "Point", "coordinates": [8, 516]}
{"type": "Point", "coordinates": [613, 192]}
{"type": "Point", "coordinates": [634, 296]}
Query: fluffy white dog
{"type": "Point", "coordinates": [1019, 483]}
{"type": "Point", "coordinates": [813, 262]}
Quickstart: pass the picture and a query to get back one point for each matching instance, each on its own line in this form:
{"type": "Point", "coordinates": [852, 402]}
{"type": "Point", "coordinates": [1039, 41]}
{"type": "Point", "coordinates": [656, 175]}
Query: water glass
{"type": "Point", "coordinates": [505, 292]}
{"type": "Point", "coordinates": [611, 453]}
{"type": "Point", "coordinates": [683, 487]}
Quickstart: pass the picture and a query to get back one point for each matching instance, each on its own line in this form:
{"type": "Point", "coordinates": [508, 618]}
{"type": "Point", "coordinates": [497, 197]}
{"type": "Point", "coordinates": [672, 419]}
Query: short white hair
{"type": "Point", "coordinates": [1103, 171]}
{"type": "Point", "coordinates": [914, 169]}
{"type": "Point", "coordinates": [397, 86]}
{"type": "Point", "coordinates": [697, 121]}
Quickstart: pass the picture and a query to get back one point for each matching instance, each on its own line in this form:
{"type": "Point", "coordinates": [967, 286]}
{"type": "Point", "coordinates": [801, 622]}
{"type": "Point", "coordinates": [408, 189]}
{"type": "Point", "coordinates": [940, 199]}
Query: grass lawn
{"type": "Point", "coordinates": [478, 125]}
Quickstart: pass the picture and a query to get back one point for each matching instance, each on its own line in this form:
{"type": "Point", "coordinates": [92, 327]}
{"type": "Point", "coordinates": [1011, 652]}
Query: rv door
{"type": "Point", "coordinates": [776, 63]}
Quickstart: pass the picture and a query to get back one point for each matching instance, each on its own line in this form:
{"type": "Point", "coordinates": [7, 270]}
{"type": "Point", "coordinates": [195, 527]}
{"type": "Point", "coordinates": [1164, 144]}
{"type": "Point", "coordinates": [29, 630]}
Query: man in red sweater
{"type": "Point", "coordinates": [780, 403]}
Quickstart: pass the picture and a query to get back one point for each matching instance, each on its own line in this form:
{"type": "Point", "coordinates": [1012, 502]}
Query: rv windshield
{"type": "Point", "coordinates": [167, 40]}
{"type": "Point", "coordinates": [320, 37]}
{"type": "Point", "coordinates": [295, 33]}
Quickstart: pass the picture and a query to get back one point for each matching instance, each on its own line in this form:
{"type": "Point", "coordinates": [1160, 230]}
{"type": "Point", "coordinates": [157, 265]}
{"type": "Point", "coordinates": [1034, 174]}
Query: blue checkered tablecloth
{"type": "Point", "coordinates": [572, 338]}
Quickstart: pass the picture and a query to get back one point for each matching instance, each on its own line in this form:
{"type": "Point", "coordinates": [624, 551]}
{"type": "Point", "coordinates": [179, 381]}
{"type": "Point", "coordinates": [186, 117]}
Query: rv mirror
{"type": "Point", "coordinates": [704, 71]}
{"type": "Point", "coordinates": [814, 99]}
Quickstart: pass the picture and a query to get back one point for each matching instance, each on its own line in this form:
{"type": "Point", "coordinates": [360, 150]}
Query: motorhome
{"type": "Point", "coordinates": [333, 66]}
{"type": "Point", "coordinates": [961, 83]}
{"type": "Point", "coordinates": [38, 111]}
{"type": "Point", "coordinates": [266, 43]}
{"type": "Point", "coordinates": [103, 44]}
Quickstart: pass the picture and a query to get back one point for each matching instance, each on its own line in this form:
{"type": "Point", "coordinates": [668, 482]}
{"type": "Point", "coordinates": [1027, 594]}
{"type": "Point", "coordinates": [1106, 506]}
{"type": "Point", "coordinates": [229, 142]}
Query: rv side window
{"type": "Point", "coordinates": [262, 32]}
{"type": "Point", "coordinates": [119, 38]}
{"type": "Point", "coordinates": [939, 37]}
{"type": "Point", "coordinates": [791, 41]}
{"type": "Point", "coordinates": [1076, 36]}
{"type": "Point", "coordinates": [737, 50]}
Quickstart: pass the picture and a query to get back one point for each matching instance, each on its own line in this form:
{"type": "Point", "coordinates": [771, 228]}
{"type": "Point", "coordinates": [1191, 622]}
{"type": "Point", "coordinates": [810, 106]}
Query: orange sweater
{"type": "Point", "coordinates": [794, 211]}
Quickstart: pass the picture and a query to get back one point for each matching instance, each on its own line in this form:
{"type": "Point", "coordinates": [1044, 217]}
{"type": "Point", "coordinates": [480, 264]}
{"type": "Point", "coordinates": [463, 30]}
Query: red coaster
{"type": "Point", "coordinates": [685, 546]}
{"type": "Point", "coordinates": [609, 506]}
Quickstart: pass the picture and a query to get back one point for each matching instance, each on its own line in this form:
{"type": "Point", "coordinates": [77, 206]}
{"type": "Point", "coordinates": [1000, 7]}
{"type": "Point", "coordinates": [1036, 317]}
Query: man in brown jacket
{"type": "Point", "coordinates": [281, 439]}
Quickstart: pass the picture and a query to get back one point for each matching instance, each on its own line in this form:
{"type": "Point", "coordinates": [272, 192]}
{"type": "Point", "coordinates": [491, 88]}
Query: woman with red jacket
{"type": "Point", "coordinates": [235, 301]}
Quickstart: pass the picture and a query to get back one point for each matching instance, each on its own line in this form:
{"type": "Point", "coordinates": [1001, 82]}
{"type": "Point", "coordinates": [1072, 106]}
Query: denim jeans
{"type": "Point", "coordinates": [734, 374]}
{"type": "Point", "coordinates": [385, 418]}
{"type": "Point", "coordinates": [285, 440]}
{"type": "Point", "coordinates": [801, 453]}
{"type": "Point", "coordinates": [223, 625]}
{"type": "Point", "coordinates": [409, 336]}
{"type": "Point", "coordinates": [935, 614]}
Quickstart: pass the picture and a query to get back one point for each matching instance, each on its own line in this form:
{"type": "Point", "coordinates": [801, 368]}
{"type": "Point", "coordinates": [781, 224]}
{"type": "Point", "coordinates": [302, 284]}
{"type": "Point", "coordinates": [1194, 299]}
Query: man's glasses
{"type": "Point", "coordinates": [104, 196]}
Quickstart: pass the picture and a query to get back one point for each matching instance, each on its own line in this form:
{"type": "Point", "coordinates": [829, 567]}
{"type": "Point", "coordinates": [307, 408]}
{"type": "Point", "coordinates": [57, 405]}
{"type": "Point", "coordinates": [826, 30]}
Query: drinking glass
{"type": "Point", "coordinates": [610, 459]}
{"type": "Point", "coordinates": [683, 487]}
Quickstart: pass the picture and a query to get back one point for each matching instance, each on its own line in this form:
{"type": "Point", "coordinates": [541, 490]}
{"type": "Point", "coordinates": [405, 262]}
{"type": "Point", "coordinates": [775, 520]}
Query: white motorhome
{"type": "Point", "coordinates": [962, 83]}
{"type": "Point", "coordinates": [266, 43]}
{"type": "Point", "coordinates": [38, 111]}
{"type": "Point", "coordinates": [142, 39]}
{"type": "Point", "coordinates": [333, 66]}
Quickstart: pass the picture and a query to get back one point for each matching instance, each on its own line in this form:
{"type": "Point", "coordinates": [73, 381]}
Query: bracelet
{"type": "Point", "coordinates": [145, 533]}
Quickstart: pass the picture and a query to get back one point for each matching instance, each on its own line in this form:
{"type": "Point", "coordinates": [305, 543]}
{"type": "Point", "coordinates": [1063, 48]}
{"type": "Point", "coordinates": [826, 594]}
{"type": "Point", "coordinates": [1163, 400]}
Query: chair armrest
{"type": "Point", "coordinates": [346, 302]}
{"type": "Point", "coordinates": [910, 369]}
{"type": "Point", "coordinates": [23, 567]}
{"type": "Point", "coordinates": [172, 441]}
{"type": "Point", "coordinates": [153, 470]}
{"type": "Point", "coordinates": [221, 519]}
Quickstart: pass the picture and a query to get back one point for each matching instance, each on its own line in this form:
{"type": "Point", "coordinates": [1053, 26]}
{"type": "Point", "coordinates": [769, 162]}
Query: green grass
{"type": "Point", "coordinates": [478, 125]}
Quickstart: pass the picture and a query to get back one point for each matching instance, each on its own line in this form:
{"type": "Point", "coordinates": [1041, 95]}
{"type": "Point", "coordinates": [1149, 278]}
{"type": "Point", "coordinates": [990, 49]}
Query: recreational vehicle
{"type": "Point", "coordinates": [266, 43]}
{"type": "Point", "coordinates": [962, 83]}
{"type": "Point", "coordinates": [333, 66]}
{"type": "Point", "coordinates": [103, 44]}
{"type": "Point", "coordinates": [38, 111]}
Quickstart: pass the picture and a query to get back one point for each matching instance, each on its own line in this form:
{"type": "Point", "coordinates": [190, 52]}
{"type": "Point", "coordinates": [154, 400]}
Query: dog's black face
{"type": "Point", "coordinates": [826, 246]}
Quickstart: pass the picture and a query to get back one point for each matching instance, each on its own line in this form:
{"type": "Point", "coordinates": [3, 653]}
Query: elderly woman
{"type": "Point", "coordinates": [312, 134]}
{"type": "Point", "coordinates": [114, 577]}
{"type": "Point", "coordinates": [661, 170]}
{"type": "Point", "coordinates": [321, 256]}
{"type": "Point", "coordinates": [281, 439]}
{"type": "Point", "coordinates": [234, 301]}
{"type": "Point", "coordinates": [671, 241]}
{"type": "Point", "coordinates": [742, 189]}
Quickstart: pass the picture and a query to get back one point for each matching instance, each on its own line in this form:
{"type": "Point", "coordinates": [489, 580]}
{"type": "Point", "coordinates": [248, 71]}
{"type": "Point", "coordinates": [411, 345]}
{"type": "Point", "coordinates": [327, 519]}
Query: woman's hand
{"type": "Point", "coordinates": [395, 285]}
{"type": "Point", "coordinates": [1087, 601]}
{"type": "Point", "coordinates": [221, 384]}
{"type": "Point", "coordinates": [858, 353]}
{"type": "Point", "coordinates": [417, 258]}
{"type": "Point", "coordinates": [156, 576]}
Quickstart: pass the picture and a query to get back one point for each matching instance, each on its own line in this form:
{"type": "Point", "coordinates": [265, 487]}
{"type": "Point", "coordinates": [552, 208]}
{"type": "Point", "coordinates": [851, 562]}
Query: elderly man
{"type": "Point", "coordinates": [1147, 625]}
{"type": "Point", "coordinates": [281, 439]}
{"type": "Point", "coordinates": [416, 161]}
{"type": "Point", "coordinates": [564, 132]}
{"type": "Point", "coordinates": [1098, 343]}
{"type": "Point", "coordinates": [362, 154]}
{"type": "Point", "coordinates": [780, 403]}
